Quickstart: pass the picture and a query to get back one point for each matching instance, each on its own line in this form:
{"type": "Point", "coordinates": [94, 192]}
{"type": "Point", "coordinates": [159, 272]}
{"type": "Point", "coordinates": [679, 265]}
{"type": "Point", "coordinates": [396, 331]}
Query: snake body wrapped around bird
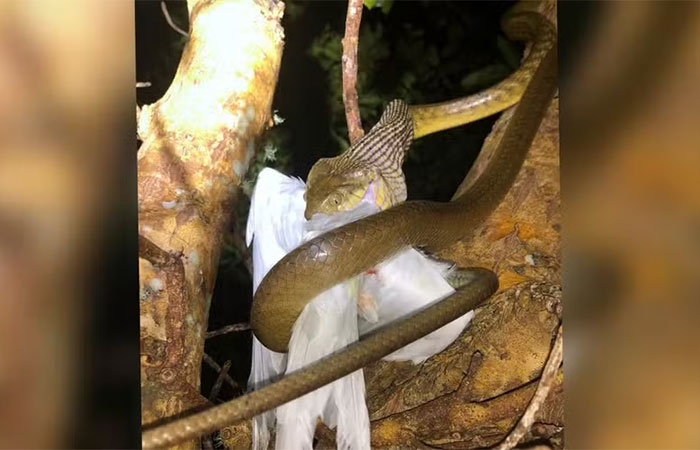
{"type": "Point", "coordinates": [354, 248]}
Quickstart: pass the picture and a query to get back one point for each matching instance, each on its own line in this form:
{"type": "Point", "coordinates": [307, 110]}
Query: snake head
{"type": "Point", "coordinates": [330, 190]}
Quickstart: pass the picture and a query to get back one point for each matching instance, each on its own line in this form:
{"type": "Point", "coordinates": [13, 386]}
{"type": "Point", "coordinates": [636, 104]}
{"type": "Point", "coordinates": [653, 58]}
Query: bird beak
{"type": "Point", "coordinates": [307, 213]}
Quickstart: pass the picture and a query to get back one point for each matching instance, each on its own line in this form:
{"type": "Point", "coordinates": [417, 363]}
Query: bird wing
{"type": "Point", "coordinates": [275, 227]}
{"type": "Point", "coordinates": [405, 283]}
{"type": "Point", "coordinates": [275, 221]}
{"type": "Point", "coordinates": [328, 323]}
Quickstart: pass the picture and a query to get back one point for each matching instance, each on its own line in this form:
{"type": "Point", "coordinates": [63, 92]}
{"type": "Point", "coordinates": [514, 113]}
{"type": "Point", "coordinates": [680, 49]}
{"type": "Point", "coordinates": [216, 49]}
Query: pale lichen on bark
{"type": "Point", "coordinates": [198, 141]}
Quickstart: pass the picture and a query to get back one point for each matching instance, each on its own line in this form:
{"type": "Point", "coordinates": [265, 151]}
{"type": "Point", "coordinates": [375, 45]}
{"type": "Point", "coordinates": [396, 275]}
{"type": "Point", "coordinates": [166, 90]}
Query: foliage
{"type": "Point", "coordinates": [327, 50]}
{"type": "Point", "coordinates": [420, 60]}
{"type": "Point", "coordinates": [384, 5]}
{"type": "Point", "coordinates": [295, 9]}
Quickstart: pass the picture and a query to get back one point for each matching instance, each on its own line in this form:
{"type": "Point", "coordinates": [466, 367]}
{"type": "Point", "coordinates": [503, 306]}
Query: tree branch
{"type": "Point", "coordinates": [228, 329]}
{"type": "Point", "coordinates": [349, 64]}
{"type": "Point", "coordinates": [223, 375]}
{"type": "Point", "coordinates": [219, 381]}
{"type": "Point", "coordinates": [197, 143]}
{"type": "Point", "coordinates": [164, 8]}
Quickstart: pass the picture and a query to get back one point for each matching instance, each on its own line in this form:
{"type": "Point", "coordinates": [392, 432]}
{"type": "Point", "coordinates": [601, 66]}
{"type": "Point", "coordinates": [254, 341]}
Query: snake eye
{"type": "Point", "coordinates": [335, 200]}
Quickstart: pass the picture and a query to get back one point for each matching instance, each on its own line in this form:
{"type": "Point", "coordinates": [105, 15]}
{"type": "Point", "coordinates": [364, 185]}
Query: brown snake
{"type": "Point", "coordinates": [351, 249]}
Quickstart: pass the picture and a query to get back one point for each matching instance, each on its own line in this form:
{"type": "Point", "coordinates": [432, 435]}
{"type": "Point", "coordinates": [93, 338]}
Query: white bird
{"type": "Point", "coordinates": [396, 287]}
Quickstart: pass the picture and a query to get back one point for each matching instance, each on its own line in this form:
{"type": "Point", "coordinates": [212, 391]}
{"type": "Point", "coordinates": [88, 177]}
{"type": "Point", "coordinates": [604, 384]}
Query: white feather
{"type": "Point", "coordinates": [407, 282]}
{"type": "Point", "coordinates": [266, 367]}
{"type": "Point", "coordinates": [327, 324]}
{"type": "Point", "coordinates": [275, 226]}
{"type": "Point", "coordinates": [404, 283]}
{"type": "Point", "coordinates": [276, 218]}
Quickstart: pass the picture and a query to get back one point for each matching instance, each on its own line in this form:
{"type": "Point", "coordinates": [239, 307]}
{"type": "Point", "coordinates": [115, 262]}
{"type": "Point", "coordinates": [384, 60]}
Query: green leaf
{"type": "Point", "coordinates": [370, 3]}
{"type": "Point", "coordinates": [385, 5]}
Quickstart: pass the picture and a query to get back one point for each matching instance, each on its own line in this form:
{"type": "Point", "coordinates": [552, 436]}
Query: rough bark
{"type": "Point", "coordinates": [198, 141]}
{"type": "Point", "coordinates": [473, 393]}
{"type": "Point", "coordinates": [349, 64]}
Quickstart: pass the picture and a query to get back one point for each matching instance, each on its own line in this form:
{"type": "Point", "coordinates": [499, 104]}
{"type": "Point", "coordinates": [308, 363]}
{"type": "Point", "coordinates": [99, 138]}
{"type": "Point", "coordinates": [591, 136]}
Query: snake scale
{"type": "Point", "coordinates": [352, 249]}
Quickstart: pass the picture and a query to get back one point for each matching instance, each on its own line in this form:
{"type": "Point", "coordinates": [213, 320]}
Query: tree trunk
{"type": "Point", "coordinates": [198, 141]}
